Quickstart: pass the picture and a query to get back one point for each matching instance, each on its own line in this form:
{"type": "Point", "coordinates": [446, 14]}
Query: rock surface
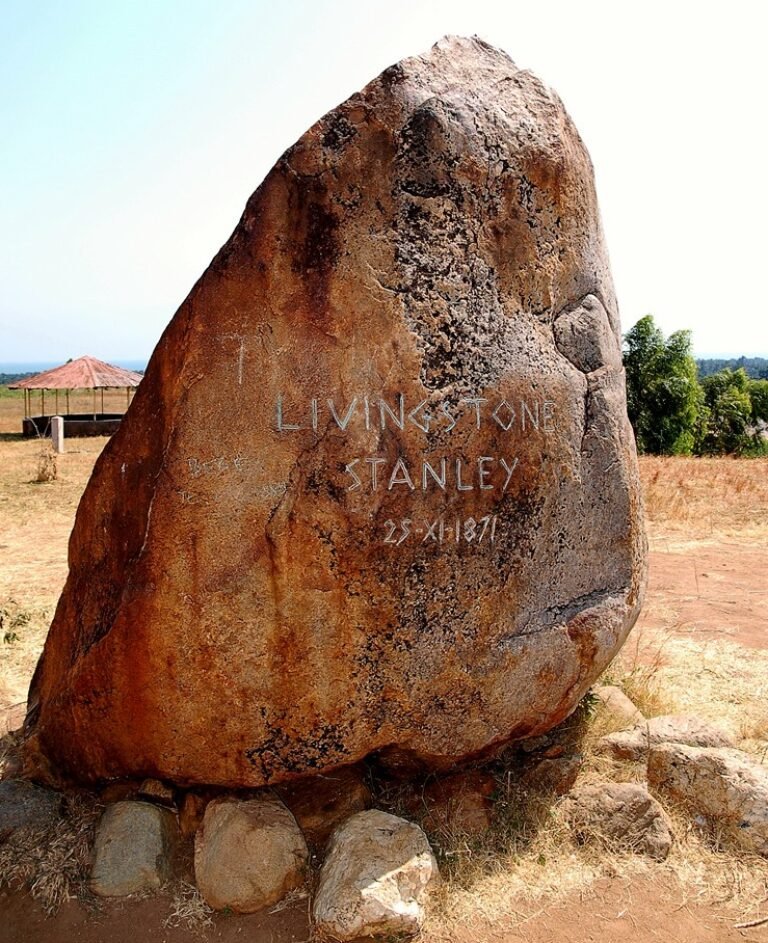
{"type": "Point", "coordinates": [133, 849]}
{"type": "Point", "coordinates": [375, 879]}
{"type": "Point", "coordinates": [322, 803]}
{"type": "Point", "coordinates": [622, 814]}
{"type": "Point", "coordinates": [615, 702]}
{"type": "Point", "coordinates": [23, 805]}
{"type": "Point", "coordinates": [191, 813]}
{"type": "Point", "coordinates": [155, 791]}
{"type": "Point", "coordinates": [460, 804]}
{"type": "Point", "coordinates": [720, 783]}
{"type": "Point", "coordinates": [12, 718]}
{"type": "Point", "coordinates": [634, 744]}
{"type": "Point", "coordinates": [555, 774]}
{"type": "Point", "coordinates": [248, 854]}
{"type": "Point", "coordinates": [384, 493]}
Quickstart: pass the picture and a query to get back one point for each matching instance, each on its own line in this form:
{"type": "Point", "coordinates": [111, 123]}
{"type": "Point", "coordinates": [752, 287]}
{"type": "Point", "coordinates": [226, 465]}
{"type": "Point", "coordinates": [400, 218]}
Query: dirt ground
{"type": "Point", "coordinates": [703, 637]}
{"type": "Point", "coordinates": [622, 911]}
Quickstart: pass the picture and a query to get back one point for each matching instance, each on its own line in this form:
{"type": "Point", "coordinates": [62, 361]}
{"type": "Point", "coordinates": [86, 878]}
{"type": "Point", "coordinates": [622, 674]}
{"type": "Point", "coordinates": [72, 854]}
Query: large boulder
{"type": "Point", "coordinates": [377, 491]}
{"type": "Point", "coordinates": [375, 879]}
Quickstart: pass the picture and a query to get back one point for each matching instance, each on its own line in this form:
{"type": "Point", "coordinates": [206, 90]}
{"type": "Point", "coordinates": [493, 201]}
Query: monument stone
{"type": "Point", "coordinates": [377, 493]}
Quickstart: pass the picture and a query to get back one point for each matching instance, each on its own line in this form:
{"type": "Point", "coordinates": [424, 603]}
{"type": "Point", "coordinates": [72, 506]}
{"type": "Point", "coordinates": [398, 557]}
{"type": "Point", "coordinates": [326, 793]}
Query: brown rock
{"type": "Point", "coordinates": [552, 774]}
{"type": "Point", "coordinates": [155, 791]}
{"type": "Point", "coordinates": [615, 702]}
{"type": "Point", "coordinates": [620, 814]}
{"type": "Point", "coordinates": [723, 784]}
{"type": "Point", "coordinates": [383, 488]}
{"type": "Point", "coordinates": [191, 813]}
{"type": "Point", "coordinates": [321, 803]}
{"type": "Point", "coordinates": [634, 744]}
{"type": "Point", "coordinates": [457, 804]}
{"type": "Point", "coordinates": [248, 854]}
{"type": "Point", "coordinates": [119, 791]}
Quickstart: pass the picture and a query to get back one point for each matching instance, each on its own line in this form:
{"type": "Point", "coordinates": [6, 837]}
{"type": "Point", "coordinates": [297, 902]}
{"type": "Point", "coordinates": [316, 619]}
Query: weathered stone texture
{"type": "Point", "coordinates": [248, 854]}
{"type": "Point", "coordinates": [244, 605]}
{"type": "Point", "coordinates": [133, 850]}
{"type": "Point", "coordinates": [616, 703]}
{"type": "Point", "coordinates": [24, 805]}
{"type": "Point", "coordinates": [623, 815]}
{"type": "Point", "coordinates": [321, 803]}
{"type": "Point", "coordinates": [375, 879]}
{"type": "Point", "coordinates": [723, 784]}
{"type": "Point", "coordinates": [633, 744]}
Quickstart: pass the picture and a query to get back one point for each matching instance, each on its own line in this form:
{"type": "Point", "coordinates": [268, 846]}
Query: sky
{"type": "Point", "coordinates": [134, 132]}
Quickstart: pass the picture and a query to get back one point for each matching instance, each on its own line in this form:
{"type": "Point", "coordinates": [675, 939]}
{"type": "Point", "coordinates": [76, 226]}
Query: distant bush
{"type": "Point", "coordinates": [673, 413]}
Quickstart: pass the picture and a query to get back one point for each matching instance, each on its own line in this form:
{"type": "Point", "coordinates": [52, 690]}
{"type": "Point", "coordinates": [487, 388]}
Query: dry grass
{"type": "Point", "coordinates": [47, 465]}
{"type": "Point", "coordinates": [705, 497]}
{"type": "Point", "coordinates": [35, 522]}
{"type": "Point", "coordinates": [188, 909]}
{"type": "Point", "coordinates": [531, 860]}
{"type": "Point", "coordinates": [53, 863]}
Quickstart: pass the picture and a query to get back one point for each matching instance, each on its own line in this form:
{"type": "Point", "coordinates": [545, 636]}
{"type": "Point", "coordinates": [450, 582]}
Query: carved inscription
{"type": "Point", "coordinates": [441, 530]}
{"type": "Point", "coordinates": [521, 416]}
{"type": "Point", "coordinates": [433, 473]}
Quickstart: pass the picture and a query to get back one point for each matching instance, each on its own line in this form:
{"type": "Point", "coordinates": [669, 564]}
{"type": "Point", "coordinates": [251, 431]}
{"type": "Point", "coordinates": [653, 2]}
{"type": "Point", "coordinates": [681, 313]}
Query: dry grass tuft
{"type": "Point", "coordinates": [47, 465]}
{"type": "Point", "coordinates": [53, 862]}
{"type": "Point", "coordinates": [188, 909]}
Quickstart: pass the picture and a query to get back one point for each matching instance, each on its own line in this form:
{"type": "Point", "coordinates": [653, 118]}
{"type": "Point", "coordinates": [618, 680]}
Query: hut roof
{"type": "Point", "coordinates": [85, 373]}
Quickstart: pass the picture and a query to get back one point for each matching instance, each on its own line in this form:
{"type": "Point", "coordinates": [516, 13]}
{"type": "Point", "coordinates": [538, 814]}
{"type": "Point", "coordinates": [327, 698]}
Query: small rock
{"type": "Point", "coordinates": [460, 803]}
{"type": "Point", "coordinates": [377, 873]}
{"type": "Point", "coordinates": [720, 783]}
{"type": "Point", "coordinates": [133, 850]}
{"type": "Point", "coordinates": [23, 804]}
{"type": "Point", "coordinates": [322, 803]}
{"type": "Point", "coordinates": [155, 791]}
{"type": "Point", "coordinates": [119, 791]}
{"type": "Point", "coordinates": [622, 814]}
{"type": "Point", "coordinates": [12, 718]}
{"type": "Point", "coordinates": [634, 744]}
{"type": "Point", "coordinates": [248, 854]}
{"type": "Point", "coordinates": [615, 702]}
{"type": "Point", "coordinates": [191, 813]}
{"type": "Point", "coordinates": [552, 774]}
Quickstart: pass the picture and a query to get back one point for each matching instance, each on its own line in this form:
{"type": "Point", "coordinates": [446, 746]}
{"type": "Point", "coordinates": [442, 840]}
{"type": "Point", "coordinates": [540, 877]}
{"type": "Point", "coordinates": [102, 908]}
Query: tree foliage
{"type": "Point", "coordinates": [673, 414]}
{"type": "Point", "coordinates": [664, 399]}
{"type": "Point", "coordinates": [729, 413]}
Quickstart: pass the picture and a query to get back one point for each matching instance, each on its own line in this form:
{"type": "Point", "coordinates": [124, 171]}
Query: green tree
{"type": "Point", "coordinates": [664, 399]}
{"type": "Point", "coordinates": [729, 425]}
{"type": "Point", "coordinates": [758, 396]}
